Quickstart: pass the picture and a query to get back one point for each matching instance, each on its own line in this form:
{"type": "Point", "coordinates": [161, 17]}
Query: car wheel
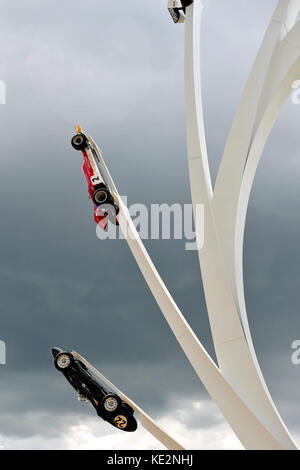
{"type": "Point", "coordinates": [111, 402]}
{"type": "Point", "coordinates": [101, 196]}
{"type": "Point", "coordinates": [63, 361]}
{"type": "Point", "coordinates": [79, 142]}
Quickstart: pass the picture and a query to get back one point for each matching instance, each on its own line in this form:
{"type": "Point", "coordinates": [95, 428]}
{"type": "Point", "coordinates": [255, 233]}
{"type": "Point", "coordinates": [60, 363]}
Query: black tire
{"type": "Point", "coordinates": [111, 403]}
{"type": "Point", "coordinates": [63, 358]}
{"type": "Point", "coordinates": [101, 196]}
{"type": "Point", "coordinates": [79, 142]}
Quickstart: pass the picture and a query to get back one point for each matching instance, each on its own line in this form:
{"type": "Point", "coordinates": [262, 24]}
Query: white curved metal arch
{"type": "Point", "coordinates": [237, 147]}
{"type": "Point", "coordinates": [146, 421]}
{"type": "Point", "coordinates": [236, 360]}
{"type": "Point", "coordinates": [283, 60]}
{"type": "Point", "coordinates": [253, 436]}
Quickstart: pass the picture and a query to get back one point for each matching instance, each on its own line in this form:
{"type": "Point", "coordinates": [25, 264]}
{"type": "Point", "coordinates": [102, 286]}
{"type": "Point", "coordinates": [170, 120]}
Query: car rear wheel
{"type": "Point", "coordinates": [63, 361]}
{"type": "Point", "coordinates": [111, 402]}
{"type": "Point", "coordinates": [79, 142]}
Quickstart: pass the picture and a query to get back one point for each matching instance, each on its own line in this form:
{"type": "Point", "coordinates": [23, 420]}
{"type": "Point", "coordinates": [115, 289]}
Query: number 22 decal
{"type": "Point", "coordinates": [120, 421]}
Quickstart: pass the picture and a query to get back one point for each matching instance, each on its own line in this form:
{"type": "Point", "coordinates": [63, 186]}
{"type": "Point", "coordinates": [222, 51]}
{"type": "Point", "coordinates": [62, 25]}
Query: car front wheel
{"type": "Point", "coordinates": [63, 361]}
{"type": "Point", "coordinates": [79, 142]}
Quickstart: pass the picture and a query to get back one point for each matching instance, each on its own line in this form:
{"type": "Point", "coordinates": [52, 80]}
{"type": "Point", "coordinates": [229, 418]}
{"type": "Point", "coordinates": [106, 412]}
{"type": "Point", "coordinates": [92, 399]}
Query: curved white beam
{"type": "Point", "coordinates": [146, 421]}
{"type": "Point", "coordinates": [235, 359]}
{"type": "Point", "coordinates": [283, 60]}
{"type": "Point", "coordinates": [254, 435]}
{"type": "Point", "coordinates": [237, 147]}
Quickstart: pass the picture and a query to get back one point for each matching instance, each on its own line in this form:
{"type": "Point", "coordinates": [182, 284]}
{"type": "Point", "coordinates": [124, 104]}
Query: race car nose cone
{"type": "Point", "coordinates": [55, 351]}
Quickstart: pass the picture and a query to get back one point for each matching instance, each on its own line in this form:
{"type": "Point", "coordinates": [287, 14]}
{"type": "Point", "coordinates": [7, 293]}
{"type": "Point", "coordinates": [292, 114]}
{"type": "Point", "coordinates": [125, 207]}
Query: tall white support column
{"type": "Point", "coordinates": [235, 358]}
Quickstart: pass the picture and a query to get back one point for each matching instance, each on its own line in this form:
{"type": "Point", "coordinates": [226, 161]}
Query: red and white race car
{"type": "Point", "coordinates": [177, 11]}
{"type": "Point", "coordinates": [106, 206]}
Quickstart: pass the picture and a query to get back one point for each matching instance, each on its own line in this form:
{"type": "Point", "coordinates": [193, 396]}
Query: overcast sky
{"type": "Point", "coordinates": [117, 68]}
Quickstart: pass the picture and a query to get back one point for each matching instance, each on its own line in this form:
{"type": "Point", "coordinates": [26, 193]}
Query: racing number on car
{"type": "Point", "coordinates": [120, 421]}
{"type": "Point", "coordinates": [95, 179]}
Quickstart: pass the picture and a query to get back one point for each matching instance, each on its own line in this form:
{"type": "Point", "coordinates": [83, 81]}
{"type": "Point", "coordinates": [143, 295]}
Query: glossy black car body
{"type": "Point", "coordinates": [108, 406]}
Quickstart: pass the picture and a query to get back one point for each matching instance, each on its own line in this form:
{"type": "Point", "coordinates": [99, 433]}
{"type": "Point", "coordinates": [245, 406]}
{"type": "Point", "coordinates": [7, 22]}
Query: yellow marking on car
{"type": "Point", "coordinates": [78, 128]}
{"type": "Point", "coordinates": [120, 421]}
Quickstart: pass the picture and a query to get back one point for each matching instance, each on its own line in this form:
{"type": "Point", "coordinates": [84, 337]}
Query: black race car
{"type": "Point", "coordinates": [176, 10]}
{"type": "Point", "coordinates": [108, 406]}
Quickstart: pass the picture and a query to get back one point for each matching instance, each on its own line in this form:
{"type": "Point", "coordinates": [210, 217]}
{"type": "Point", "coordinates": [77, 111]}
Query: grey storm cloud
{"type": "Point", "coordinates": [117, 68]}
